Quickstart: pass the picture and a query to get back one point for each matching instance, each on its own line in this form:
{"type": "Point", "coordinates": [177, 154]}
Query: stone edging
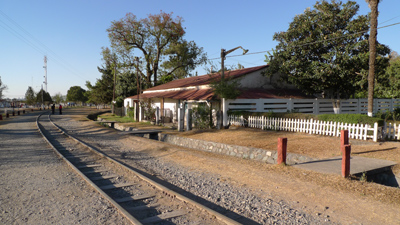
{"type": "Point", "coordinates": [268, 156]}
{"type": "Point", "coordinates": [258, 154]}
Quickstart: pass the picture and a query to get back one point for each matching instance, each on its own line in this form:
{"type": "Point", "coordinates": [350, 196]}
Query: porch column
{"type": "Point", "coordinates": [162, 108]}
{"type": "Point", "coordinates": [137, 116]}
{"type": "Point", "coordinates": [181, 120]}
{"type": "Point", "coordinates": [224, 112]}
{"type": "Point", "coordinates": [140, 112]}
{"type": "Point", "coordinates": [157, 115]}
{"type": "Point", "coordinates": [188, 119]}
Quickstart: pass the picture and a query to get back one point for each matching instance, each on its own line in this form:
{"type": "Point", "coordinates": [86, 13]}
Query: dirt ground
{"type": "Point", "coordinates": [315, 146]}
{"type": "Point", "coordinates": [346, 201]}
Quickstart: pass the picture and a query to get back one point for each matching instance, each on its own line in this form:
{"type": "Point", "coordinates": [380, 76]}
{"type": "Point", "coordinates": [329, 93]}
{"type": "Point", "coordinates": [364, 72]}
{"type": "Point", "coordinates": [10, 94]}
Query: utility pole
{"type": "Point", "coordinates": [42, 97]}
{"type": "Point", "coordinates": [45, 72]}
{"type": "Point", "coordinates": [113, 101]}
{"type": "Point", "coordinates": [137, 89]}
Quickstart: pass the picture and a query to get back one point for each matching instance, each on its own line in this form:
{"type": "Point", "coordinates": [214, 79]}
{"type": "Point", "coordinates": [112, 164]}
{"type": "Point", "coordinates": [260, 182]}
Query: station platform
{"type": "Point", "coordinates": [358, 165]}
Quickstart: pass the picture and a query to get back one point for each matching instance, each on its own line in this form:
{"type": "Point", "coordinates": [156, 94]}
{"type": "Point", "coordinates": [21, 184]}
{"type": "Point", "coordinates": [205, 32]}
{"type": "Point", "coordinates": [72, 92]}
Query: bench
{"type": "Point", "coordinates": [153, 134]}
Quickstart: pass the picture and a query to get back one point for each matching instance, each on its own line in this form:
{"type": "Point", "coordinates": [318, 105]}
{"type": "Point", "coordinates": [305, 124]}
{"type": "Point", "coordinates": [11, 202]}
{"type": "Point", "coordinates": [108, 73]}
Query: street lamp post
{"type": "Point", "coordinates": [223, 55]}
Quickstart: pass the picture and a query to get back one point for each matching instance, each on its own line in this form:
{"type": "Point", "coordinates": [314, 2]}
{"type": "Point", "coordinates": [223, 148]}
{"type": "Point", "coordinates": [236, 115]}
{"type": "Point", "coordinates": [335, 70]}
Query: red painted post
{"type": "Point", "coordinates": [344, 138]}
{"type": "Point", "coordinates": [346, 150]}
{"type": "Point", "coordinates": [282, 147]}
{"type": "Point", "coordinates": [1, 117]}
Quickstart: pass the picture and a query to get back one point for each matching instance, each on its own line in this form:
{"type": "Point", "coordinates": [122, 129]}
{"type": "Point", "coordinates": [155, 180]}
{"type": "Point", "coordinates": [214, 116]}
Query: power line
{"type": "Point", "coordinates": [314, 42]}
{"type": "Point", "coordinates": [39, 48]}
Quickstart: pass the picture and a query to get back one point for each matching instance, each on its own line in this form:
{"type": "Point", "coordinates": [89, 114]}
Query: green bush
{"type": "Point", "coordinates": [131, 112]}
{"type": "Point", "coordinates": [351, 118]}
{"type": "Point", "coordinates": [201, 116]}
{"type": "Point", "coordinates": [390, 116]}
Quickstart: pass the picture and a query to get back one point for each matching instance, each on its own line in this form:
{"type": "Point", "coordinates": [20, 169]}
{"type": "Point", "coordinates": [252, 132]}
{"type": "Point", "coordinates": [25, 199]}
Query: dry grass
{"type": "Point", "coordinates": [315, 146]}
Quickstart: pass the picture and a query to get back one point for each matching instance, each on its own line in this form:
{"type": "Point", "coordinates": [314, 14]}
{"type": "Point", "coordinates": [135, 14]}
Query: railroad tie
{"type": "Point", "coordinates": [142, 207]}
{"type": "Point", "coordinates": [134, 198]}
{"type": "Point", "coordinates": [103, 177]}
{"type": "Point", "coordinates": [113, 186]}
{"type": "Point", "coordinates": [163, 216]}
{"type": "Point", "coordinates": [95, 171]}
{"type": "Point", "coordinates": [88, 166]}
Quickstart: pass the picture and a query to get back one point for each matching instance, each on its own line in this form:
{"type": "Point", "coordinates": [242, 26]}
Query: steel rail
{"type": "Point", "coordinates": [161, 187]}
{"type": "Point", "coordinates": [125, 213]}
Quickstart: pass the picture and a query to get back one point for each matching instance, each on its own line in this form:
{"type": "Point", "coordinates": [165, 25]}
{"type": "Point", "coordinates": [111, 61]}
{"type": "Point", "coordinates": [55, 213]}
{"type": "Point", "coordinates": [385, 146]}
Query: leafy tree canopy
{"type": "Point", "coordinates": [102, 91]}
{"type": "Point", "coordinates": [159, 39]}
{"type": "Point", "coordinates": [389, 84]}
{"type": "Point", "coordinates": [58, 98]}
{"type": "Point", "coordinates": [3, 87]}
{"type": "Point", "coordinates": [46, 97]}
{"type": "Point", "coordinates": [325, 50]}
{"type": "Point", "coordinates": [76, 94]}
{"type": "Point", "coordinates": [30, 96]}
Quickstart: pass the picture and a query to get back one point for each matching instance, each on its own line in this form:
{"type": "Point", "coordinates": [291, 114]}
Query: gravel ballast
{"type": "Point", "coordinates": [240, 202]}
{"type": "Point", "coordinates": [36, 187]}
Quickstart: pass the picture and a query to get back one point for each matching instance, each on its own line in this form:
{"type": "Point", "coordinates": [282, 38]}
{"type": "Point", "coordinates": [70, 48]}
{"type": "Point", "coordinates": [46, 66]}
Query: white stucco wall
{"type": "Point", "coordinates": [128, 102]}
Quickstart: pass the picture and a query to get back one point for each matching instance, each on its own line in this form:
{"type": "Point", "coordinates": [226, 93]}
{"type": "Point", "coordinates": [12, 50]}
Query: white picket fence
{"type": "Point", "coordinates": [312, 106]}
{"type": "Point", "coordinates": [391, 131]}
{"type": "Point", "coordinates": [356, 131]}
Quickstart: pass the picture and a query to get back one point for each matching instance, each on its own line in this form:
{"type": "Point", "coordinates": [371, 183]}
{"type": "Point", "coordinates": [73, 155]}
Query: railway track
{"type": "Point", "coordinates": [138, 198]}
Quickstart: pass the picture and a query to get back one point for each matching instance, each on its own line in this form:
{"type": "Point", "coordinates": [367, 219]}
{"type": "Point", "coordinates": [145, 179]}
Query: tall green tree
{"type": "Point", "coordinates": [373, 5]}
{"type": "Point", "coordinates": [46, 99]}
{"type": "Point", "coordinates": [76, 94]}
{"type": "Point", "coordinates": [388, 85]}
{"type": "Point", "coordinates": [102, 91]}
{"type": "Point", "coordinates": [30, 96]}
{"type": "Point", "coordinates": [58, 98]}
{"type": "Point", "coordinates": [3, 87]}
{"type": "Point", "coordinates": [325, 50]}
{"type": "Point", "coordinates": [159, 40]}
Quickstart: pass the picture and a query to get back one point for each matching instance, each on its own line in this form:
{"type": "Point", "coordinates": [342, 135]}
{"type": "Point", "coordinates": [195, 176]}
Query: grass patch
{"type": "Point", "coordinates": [119, 119]}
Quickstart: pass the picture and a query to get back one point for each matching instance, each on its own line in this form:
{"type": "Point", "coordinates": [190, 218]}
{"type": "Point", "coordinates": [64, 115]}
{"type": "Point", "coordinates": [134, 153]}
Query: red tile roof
{"type": "Point", "coordinates": [194, 94]}
{"type": "Point", "coordinates": [205, 79]}
{"type": "Point", "coordinates": [208, 94]}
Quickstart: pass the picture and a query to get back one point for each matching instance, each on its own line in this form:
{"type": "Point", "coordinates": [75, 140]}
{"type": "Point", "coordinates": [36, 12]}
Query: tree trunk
{"type": "Point", "coordinates": [372, 54]}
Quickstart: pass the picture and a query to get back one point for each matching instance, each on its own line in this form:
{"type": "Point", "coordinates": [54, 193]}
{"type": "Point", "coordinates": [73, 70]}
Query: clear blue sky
{"type": "Point", "coordinates": [72, 32]}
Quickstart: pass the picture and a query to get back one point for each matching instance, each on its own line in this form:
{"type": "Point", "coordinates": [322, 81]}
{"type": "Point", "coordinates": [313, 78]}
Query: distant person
{"type": "Point", "coordinates": [53, 107]}
{"type": "Point", "coordinates": [60, 108]}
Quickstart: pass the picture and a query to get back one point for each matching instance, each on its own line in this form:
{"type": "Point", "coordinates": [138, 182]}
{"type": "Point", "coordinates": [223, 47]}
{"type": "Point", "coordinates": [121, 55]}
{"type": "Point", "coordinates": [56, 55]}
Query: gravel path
{"type": "Point", "coordinates": [251, 206]}
{"type": "Point", "coordinates": [38, 188]}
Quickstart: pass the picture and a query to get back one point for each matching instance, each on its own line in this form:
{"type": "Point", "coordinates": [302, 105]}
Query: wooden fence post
{"type": "Point", "coordinates": [282, 147]}
{"type": "Point", "coordinates": [346, 149]}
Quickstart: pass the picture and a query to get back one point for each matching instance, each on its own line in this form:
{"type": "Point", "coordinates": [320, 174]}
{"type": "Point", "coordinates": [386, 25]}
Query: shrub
{"type": "Point", "coordinates": [351, 118]}
{"type": "Point", "coordinates": [201, 116]}
{"type": "Point", "coordinates": [131, 112]}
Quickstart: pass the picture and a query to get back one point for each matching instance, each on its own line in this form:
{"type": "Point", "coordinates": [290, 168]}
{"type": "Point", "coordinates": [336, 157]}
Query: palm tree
{"type": "Point", "coordinates": [373, 5]}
